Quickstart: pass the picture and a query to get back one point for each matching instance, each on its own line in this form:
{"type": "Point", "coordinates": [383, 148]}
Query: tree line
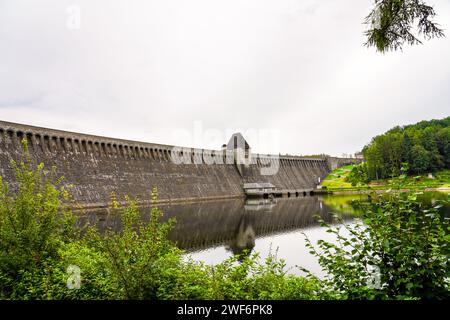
{"type": "Point", "coordinates": [421, 148]}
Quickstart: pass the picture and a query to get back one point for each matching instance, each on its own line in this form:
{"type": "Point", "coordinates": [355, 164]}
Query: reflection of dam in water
{"type": "Point", "coordinates": [233, 223]}
{"type": "Point", "coordinates": [236, 224]}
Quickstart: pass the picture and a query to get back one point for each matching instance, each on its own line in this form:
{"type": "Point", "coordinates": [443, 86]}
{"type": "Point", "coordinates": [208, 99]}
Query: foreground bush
{"type": "Point", "coordinates": [34, 226]}
{"type": "Point", "coordinates": [248, 279]}
{"type": "Point", "coordinates": [400, 251]}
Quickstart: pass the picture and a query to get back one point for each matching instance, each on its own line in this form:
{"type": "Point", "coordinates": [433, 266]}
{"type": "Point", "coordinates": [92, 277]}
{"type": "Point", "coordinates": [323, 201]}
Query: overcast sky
{"type": "Point", "coordinates": [292, 74]}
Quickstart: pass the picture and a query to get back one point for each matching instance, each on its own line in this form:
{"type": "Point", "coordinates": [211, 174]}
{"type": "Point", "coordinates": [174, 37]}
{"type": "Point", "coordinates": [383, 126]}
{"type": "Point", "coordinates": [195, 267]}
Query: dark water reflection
{"type": "Point", "coordinates": [212, 231]}
{"type": "Point", "coordinates": [237, 224]}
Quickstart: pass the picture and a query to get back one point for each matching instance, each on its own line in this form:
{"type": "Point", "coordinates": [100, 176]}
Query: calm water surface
{"type": "Point", "coordinates": [213, 231]}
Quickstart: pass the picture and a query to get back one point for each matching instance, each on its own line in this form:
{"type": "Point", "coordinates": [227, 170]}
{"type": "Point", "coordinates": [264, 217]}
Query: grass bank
{"type": "Point", "coordinates": [337, 181]}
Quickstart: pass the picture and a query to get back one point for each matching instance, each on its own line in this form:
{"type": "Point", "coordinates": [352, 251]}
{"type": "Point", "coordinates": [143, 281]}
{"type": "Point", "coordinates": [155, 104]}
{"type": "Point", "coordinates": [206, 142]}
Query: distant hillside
{"type": "Point", "coordinates": [424, 146]}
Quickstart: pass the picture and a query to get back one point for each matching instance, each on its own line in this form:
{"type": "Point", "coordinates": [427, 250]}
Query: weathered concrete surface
{"type": "Point", "coordinates": [295, 174]}
{"type": "Point", "coordinates": [98, 166]}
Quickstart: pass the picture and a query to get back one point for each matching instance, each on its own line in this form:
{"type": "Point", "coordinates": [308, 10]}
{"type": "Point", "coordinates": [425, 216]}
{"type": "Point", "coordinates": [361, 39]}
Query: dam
{"type": "Point", "coordinates": [96, 167]}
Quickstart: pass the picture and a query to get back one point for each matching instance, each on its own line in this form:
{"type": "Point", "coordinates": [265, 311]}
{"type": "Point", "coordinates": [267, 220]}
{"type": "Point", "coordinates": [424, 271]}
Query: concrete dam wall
{"type": "Point", "coordinates": [294, 174]}
{"type": "Point", "coordinates": [96, 167]}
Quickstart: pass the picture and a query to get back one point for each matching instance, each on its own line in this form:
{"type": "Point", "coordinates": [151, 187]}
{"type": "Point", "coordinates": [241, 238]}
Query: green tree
{"type": "Point", "coordinates": [392, 23]}
{"type": "Point", "coordinates": [374, 160]}
{"type": "Point", "coordinates": [424, 146]}
{"type": "Point", "coordinates": [406, 148]}
{"type": "Point", "coordinates": [443, 145]}
{"type": "Point", "coordinates": [358, 174]}
{"type": "Point", "coordinates": [420, 159]}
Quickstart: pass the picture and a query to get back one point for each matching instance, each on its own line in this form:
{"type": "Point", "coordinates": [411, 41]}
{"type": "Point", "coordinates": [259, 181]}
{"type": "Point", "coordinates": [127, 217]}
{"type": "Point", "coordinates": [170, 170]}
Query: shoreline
{"type": "Point", "coordinates": [85, 208]}
{"type": "Point", "coordinates": [367, 190]}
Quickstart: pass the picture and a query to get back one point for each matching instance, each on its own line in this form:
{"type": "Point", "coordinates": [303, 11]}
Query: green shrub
{"type": "Point", "coordinates": [34, 226]}
{"type": "Point", "coordinates": [242, 278]}
{"type": "Point", "coordinates": [401, 251]}
{"type": "Point", "coordinates": [138, 257]}
{"type": "Point", "coordinates": [358, 175]}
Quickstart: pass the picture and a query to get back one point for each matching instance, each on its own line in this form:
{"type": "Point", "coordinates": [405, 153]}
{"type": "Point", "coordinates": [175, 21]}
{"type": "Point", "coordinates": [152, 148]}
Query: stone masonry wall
{"type": "Point", "coordinates": [98, 166]}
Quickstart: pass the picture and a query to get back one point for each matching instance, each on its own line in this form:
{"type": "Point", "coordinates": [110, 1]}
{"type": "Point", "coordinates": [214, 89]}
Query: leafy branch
{"type": "Point", "coordinates": [392, 23]}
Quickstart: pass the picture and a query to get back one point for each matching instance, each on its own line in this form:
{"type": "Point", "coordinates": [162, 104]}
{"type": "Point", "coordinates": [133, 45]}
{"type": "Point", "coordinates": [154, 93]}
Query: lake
{"type": "Point", "coordinates": [213, 231]}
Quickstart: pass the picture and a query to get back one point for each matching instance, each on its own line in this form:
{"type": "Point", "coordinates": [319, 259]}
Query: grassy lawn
{"type": "Point", "coordinates": [337, 181]}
